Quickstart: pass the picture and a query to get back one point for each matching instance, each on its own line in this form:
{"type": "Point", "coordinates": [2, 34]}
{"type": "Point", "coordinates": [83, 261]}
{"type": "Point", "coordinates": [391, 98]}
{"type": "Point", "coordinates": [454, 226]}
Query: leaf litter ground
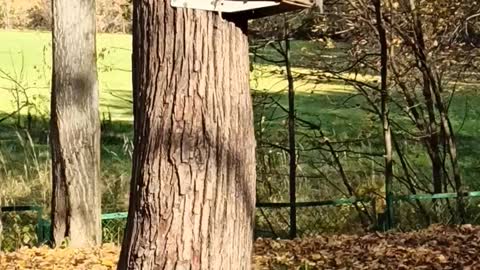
{"type": "Point", "coordinates": [437, 247]}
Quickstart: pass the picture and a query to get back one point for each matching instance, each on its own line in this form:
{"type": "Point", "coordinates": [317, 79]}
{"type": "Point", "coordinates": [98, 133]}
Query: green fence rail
{"type": "Point", "coordinates": [113, 224]}
{"type": "Point", "coordinates": [424, 197]}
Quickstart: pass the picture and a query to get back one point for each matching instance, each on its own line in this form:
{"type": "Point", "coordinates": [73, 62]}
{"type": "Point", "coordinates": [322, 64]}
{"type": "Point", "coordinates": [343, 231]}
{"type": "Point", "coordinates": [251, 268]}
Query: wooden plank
{"type": "Point", "coordinates": [256, 8]}
{"type": "Point", "coordinates": [227, 6]}
{"type": "Point", "coordinates": [285, 6]}
{"type": "Point", "coordinates": [299, 3]}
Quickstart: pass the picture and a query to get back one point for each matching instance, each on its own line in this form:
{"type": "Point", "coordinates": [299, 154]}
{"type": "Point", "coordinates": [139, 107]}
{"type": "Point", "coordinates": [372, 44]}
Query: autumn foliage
{"type": "Point", "coordinates": [438, 247]}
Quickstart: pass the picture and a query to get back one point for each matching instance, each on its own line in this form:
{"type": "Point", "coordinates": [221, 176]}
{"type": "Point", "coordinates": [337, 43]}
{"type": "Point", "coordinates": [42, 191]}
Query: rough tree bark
{"type": "Point", "coordinates": [75, 125]}
{"type": "Point", "coordinates": [192, 195]}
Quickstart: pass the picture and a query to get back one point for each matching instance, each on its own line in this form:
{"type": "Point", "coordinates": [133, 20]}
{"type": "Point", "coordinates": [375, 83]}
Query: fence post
{"type": "Point", "coordinates": [39, 227]}
{"type": "Point", "coordinates": [390, 216]}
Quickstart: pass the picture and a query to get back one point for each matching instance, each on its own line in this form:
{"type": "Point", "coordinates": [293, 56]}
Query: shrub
{"type": "Point", "coordinates": [112, 16]}
{"type": "Point", "coordinates": [39, 17]}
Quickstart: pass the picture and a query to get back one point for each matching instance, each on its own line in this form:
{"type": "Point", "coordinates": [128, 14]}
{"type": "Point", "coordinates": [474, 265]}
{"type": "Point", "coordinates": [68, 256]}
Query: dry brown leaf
{"type": "Point", "coordinates": [438, 247]}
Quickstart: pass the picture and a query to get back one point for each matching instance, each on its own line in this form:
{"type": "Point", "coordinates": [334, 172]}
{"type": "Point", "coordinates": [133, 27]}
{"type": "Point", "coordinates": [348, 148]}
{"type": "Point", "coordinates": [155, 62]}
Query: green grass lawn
{"type": "Point", "coordinates": [25, 64]}
{"type": "Point", "coordinates": [26, 58]}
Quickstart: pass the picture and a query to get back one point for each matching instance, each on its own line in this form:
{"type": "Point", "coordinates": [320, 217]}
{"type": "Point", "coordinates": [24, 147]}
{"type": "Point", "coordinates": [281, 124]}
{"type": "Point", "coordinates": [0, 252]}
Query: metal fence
{"type": "Point", "coordinates": [27, 226]}
{"type": "Point", "coordinates": [23, 226]}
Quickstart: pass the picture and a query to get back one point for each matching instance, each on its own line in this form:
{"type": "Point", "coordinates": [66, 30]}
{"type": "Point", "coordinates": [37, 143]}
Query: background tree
{"type": "Point", "coordinates": [423, 84]}
{"type": "Point", "coordinates": [384, 108]}
{"type": "Point", "coordinates": [75, 125]}
{"type": "Point", "coordinates": [193, 182]}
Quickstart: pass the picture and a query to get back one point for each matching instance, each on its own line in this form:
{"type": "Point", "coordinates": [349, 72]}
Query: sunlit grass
{"type": "Point", "coordinates": [25, 62]}
{"type": "Point", "coordinates": [25, 59]}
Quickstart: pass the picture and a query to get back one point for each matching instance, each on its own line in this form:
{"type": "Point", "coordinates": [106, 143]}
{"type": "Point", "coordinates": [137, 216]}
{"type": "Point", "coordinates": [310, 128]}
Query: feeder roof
{"type": "Point", "coordinates": [251, 8]}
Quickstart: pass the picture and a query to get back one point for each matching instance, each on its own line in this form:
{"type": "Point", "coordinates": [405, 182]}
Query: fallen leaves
{"type": "Point", "coordinates": [438, 247]}
{"type": "Point", "coordinates": [44, 258]}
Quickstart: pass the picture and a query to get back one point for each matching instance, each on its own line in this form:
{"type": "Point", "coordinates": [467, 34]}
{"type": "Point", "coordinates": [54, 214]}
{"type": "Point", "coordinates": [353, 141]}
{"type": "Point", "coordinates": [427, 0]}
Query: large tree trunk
{"type": "Point", "coordinates": [75, 125]}
{"type": "Point", "coordinates": [193, 182]}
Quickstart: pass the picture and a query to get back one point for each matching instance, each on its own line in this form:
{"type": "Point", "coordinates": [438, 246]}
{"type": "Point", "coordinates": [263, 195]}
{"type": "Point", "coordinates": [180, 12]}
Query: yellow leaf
{"type": "Point", "coordinates": [108, 263]}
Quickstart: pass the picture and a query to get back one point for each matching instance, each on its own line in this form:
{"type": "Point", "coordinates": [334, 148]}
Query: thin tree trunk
{"type": "Point", "coordinates": [291, 139]}
{"type": "Point", "coordinates": [452, 150]}
{"type": "Point", "coordinates": [429, 137]}
{"type": "Point", "coordinates": [387, 133]}
{"type": "Point", "coordinates": [428, 84]}
{"type": "Point", "coordinates": [446, 128]}
{"type": "Point", "coordinates": [410, 181]}
{"type": "Point", "coordinates": [75, 125]}
{"type": "Point", "coordinates": [192, 198]}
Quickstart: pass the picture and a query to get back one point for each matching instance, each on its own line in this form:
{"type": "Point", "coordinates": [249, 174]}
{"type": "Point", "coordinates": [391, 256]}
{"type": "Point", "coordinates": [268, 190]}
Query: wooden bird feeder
{"type": "Point", "coordinates": [252, 9]}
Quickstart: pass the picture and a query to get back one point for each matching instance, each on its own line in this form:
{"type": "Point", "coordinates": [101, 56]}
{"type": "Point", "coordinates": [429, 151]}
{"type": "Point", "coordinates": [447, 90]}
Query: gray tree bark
{"type": "Point", "coordinates": [192, 196]}
{"type": "Point", "coordinates": [75, 125]}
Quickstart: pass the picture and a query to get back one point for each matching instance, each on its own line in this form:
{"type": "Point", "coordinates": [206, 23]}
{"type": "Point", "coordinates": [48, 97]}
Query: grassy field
{"type": "Point", "coordinates": [26, 58]}
{"type": "Point", "coordinates": [25, 64]}
{"type": "Point", "coordinates": [25, 71]}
